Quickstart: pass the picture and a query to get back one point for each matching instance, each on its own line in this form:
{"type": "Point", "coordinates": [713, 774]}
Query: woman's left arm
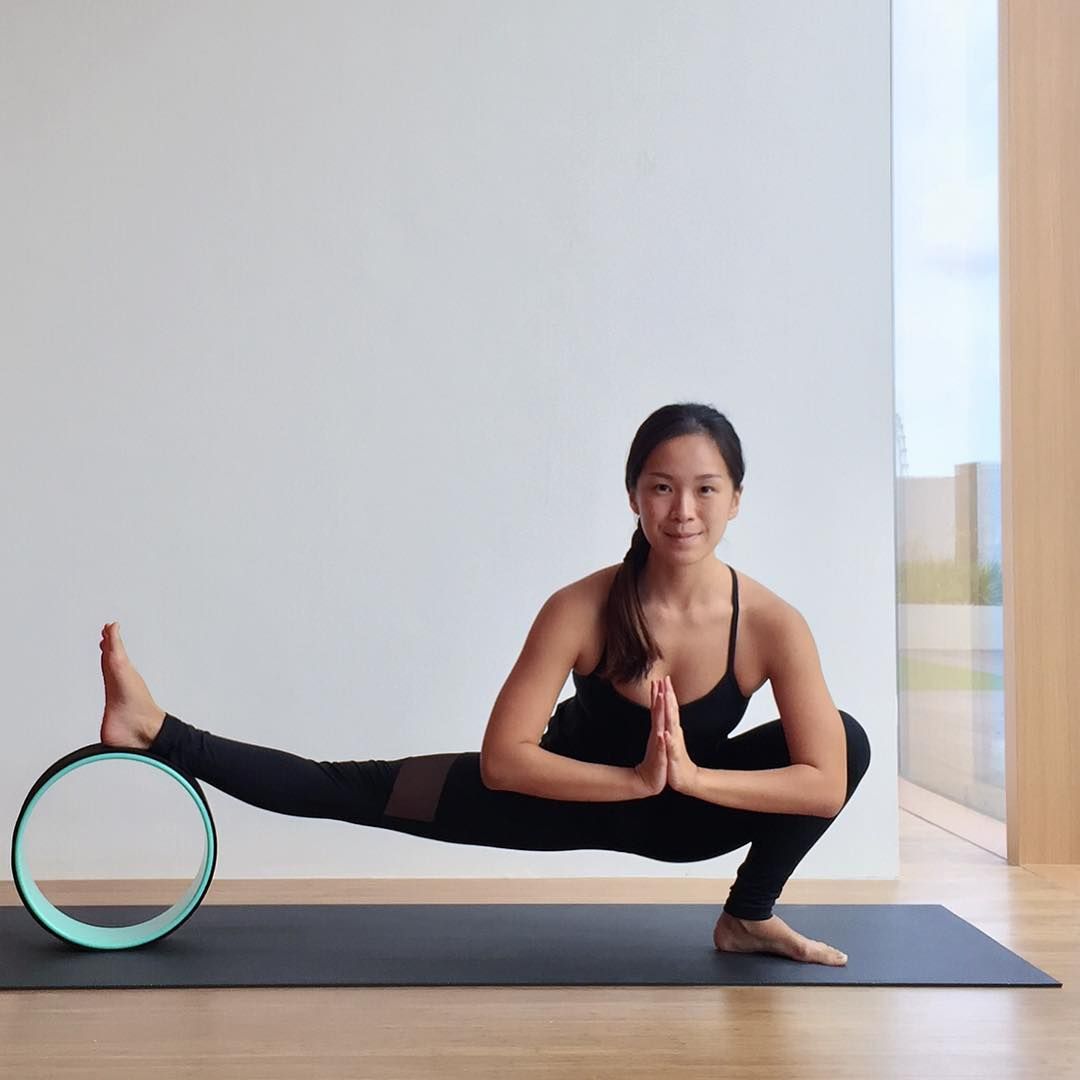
{"type": "Point", "coordinates": [815, 782]}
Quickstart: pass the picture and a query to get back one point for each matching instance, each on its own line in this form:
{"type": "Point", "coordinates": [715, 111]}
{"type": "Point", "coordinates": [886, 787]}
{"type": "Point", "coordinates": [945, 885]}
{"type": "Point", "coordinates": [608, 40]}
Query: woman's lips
{"type": "Point", "coordinates": [683, 539]}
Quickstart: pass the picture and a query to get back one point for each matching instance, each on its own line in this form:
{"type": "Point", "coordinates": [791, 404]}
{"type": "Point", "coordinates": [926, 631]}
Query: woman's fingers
{"type": "Point", "coordinates": [670, 706]}
{"type": "Point", "coordinates": [659, 722]}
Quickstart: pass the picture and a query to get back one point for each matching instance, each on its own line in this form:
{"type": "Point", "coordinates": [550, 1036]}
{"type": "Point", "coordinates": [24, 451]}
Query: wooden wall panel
{"type": "Point", "coordinates": [1039, 88]}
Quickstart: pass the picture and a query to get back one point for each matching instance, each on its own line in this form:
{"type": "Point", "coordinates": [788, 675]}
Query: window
{"type": "Point", "coordinates": [948, 427]}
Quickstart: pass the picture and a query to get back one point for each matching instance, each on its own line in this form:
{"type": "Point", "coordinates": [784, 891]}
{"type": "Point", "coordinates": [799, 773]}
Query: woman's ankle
{"type": "Point", "coordinates": [152, 730]}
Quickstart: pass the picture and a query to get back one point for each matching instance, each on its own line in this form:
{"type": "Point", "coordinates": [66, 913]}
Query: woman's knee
{"type": "Point", "coordinates": [858, 750]}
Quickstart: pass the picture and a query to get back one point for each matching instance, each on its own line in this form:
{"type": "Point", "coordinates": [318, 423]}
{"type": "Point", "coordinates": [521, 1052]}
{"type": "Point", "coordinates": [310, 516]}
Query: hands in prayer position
{"type": "Point", "coordinates": [666, 759]}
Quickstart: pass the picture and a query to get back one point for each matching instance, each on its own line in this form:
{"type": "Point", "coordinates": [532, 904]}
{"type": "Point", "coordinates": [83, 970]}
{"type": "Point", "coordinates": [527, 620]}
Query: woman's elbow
{"type": "Point", "coordinates": [490, 772]}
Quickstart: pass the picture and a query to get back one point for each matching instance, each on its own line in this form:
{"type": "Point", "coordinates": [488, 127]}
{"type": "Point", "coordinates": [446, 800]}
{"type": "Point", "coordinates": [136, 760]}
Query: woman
{"type": "Point", "coordinates": [639, 759]}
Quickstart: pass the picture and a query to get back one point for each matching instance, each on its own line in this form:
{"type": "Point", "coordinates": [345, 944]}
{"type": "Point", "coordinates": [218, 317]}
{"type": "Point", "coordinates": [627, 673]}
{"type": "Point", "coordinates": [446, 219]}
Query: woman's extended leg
{"type": "Point", "coordinates": [441, 796]}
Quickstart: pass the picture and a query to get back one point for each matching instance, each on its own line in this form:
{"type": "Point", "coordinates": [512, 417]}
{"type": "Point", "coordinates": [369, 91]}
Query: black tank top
{"type": "Point", "coordinates": [599, 724]}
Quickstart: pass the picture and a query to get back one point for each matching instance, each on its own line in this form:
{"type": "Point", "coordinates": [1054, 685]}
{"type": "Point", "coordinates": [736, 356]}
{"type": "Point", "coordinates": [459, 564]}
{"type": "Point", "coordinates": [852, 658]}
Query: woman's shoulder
{"type": "Point", "coordinates": [760, 599]}
{"type": "Point", "coordinates": [588, 593]}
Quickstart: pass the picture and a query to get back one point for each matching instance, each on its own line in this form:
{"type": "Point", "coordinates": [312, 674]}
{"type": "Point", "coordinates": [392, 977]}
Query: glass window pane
{"type": "Point", "coordinates": [948, 444]}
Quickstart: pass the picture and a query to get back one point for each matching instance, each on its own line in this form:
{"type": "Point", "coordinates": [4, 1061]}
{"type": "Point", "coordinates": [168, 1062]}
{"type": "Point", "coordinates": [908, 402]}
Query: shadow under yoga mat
{"type": "Point", "coordinates": [507, 945]}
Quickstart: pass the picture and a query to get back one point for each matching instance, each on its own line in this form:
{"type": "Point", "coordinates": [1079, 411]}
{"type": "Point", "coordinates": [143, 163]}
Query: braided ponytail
{"type": "Point", "coordinates": [631, 650]}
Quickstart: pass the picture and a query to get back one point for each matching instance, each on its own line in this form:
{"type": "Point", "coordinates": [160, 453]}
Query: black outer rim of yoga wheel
{"type": "Point", "coordinates": [84, 753]}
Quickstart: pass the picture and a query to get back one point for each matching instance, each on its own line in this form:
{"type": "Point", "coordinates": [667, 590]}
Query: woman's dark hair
{"type": "Point", "coordinates": [631, 649]}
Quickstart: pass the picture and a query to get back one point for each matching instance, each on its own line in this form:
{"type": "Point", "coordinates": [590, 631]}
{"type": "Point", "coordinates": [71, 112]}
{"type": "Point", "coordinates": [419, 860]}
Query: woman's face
{"type": "Point", "coordinates": [684, 488]}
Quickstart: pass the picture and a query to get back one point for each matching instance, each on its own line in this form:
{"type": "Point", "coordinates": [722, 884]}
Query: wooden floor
{"type": "Point", "coordinates": [569, 1032]}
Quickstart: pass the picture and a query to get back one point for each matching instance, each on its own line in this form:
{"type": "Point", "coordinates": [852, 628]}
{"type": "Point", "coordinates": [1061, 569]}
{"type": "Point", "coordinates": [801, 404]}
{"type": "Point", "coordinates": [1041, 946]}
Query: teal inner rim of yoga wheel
{"type": "Point", "coordinates": [88, 935]}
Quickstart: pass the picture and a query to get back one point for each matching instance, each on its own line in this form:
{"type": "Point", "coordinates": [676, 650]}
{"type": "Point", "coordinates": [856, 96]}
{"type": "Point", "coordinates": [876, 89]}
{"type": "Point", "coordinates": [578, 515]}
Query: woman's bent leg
{"type": "Point", "coordinates": [440, 796]}
{"type": "Point", "coordinates": [779, 842]}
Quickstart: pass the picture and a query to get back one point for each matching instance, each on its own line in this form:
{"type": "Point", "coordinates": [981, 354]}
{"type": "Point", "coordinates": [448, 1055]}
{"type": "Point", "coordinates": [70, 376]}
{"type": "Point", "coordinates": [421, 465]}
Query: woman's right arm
{"type": "Point", "coordinates": [511, 758]}
{"type": "Point", "coordinates": [533, 770]}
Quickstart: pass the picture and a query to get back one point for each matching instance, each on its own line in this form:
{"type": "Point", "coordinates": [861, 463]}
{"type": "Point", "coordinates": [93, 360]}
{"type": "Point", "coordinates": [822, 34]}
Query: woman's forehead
{"type": "Point", "coordinates": [691, 457]}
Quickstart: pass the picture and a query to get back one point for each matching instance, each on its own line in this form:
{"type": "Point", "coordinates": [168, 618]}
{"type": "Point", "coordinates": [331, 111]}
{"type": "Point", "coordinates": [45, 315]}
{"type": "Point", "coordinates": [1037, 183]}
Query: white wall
{"type": "Point", "coordinates": [325, 332]}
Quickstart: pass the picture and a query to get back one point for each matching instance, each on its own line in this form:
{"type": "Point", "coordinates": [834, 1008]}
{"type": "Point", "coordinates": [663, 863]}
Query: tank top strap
{"type": "Point", "coordinates": [734, 619]}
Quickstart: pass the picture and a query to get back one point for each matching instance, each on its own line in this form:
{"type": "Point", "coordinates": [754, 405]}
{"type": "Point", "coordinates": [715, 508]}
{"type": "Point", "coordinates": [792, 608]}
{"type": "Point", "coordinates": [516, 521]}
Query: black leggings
{"type": "Point", "coordinates": [441, 796]}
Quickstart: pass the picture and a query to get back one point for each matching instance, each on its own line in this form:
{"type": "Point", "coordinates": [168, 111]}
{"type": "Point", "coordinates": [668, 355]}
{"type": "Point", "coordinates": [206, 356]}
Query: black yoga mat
{"type": "Point", "coordinates": [507, 945]}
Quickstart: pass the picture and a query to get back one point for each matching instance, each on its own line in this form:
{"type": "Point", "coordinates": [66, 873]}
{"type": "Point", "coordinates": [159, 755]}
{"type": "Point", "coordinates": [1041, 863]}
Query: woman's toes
{"type": "Point", "coordinates": [116, 642]}
{"type": "Point", "coordinates": [775, 936]}
{"type": "Point", "coordinates": [131, 717]}
{"type": "Point", "coordinates": [824, 953]}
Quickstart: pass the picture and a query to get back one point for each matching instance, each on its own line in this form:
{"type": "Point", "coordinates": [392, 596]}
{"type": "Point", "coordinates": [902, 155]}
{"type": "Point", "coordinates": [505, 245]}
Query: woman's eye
{"type": "Point", "coordinates": [706, 487]}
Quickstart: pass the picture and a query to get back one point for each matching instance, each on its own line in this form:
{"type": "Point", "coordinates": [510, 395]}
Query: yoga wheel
{"type": "Point", "coordinates": [88, 935]}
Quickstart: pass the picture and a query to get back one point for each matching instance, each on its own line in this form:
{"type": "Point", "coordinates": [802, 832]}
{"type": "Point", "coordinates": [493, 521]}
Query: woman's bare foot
{"type": "Point", "coordinates": [772, 935]}
{"type": "Point", "coordinates": [132, 717]}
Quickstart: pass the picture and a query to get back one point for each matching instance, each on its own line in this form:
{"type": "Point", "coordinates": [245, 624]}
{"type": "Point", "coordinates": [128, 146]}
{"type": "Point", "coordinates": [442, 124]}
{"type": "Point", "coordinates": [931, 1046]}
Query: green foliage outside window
{"type": "Point", "coordinates": [946, 581]}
